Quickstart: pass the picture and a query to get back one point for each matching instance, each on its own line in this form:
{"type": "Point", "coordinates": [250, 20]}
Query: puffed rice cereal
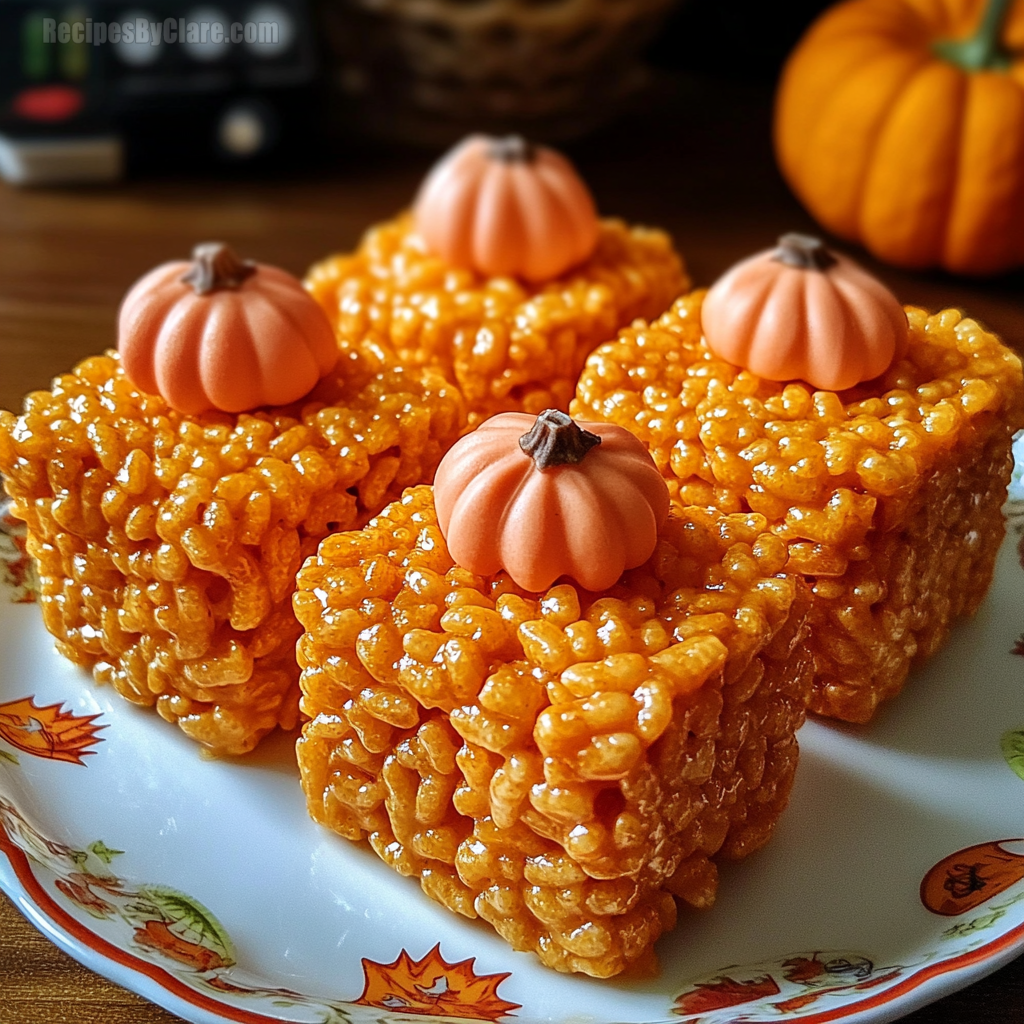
{"type": "Point", "coordinates": [507, 345]}
{"type": "Point", "coordinates": [167, 545]}
{"type": "Point", "coordinates": [561, 764]}
{"type": "Point", "coordinates": [887, 496]}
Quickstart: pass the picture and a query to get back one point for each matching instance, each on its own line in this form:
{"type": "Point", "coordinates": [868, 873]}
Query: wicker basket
{"type": "Point", "coordinates": [428, 70]}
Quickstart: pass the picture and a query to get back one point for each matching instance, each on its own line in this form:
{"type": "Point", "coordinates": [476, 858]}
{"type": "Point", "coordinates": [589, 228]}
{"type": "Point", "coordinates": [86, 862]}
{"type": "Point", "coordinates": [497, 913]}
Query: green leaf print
{"type": "Point", "coordinates": [1012, 744]}
{"type": "Point", "coordinates": [977, 924]}
{"type": "Point", "coordinates": [10, 758]}
{"type": "Point", "coordinates": [103, 852]}
{"type": "Point", "coordinates": [190, 915]}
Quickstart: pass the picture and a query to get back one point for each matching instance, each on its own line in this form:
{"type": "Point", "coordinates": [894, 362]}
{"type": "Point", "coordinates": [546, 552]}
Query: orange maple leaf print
{"type": "Point", "coordinates": [799, 1002]}
{"type": "Point", "coordinates": [156, 935]}
{"type": "Point", "coordinates": [81, 894]}
{"type": "Point", "coordinates": [803, 969]}
{"type": "Point", "coordinates": [714, 995]}
{"type": "Point", "coordinates": [48, 731]}
{"type": "Point", "coordinates": [433, 986]}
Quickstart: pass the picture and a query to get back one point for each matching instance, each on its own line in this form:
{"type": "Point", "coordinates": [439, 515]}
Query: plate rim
{"type": "Point", "coordinates": [926, 984]}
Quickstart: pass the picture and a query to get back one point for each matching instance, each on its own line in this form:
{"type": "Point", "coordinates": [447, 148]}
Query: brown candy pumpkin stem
{"type": "Point", "coordinates": [214, 266]}
{"type": "Point", "coordinates": [511, 149]}
{"type": "Point", "coordinates": [557, 440]}
{"type": "Point", "coordinates": [803, 251]}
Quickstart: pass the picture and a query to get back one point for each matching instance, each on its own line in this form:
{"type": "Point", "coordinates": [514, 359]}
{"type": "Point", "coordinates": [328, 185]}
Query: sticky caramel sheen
{"type": "Point", "coordinates": [167, 545]}
{"type": "Point", "coordinates": [887, 496]}
{"type": "Point", "coordinates": [508, 346]}
{"type": "Point", "coordinates": [560, 764]}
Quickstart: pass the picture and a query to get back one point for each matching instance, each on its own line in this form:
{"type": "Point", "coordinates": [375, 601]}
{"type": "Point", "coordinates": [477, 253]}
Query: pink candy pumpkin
{"type": "Point", "coordinates": [506, 208]}
{"type": "Point", "coordinates": [543, 496]}
{"type": "Point", "coordinates": [800, 312]}
{"type": "Point", "coordinates": [219, 333]}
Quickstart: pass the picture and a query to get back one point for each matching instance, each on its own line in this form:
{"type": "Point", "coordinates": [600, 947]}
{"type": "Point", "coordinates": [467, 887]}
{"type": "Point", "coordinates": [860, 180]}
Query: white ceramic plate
{"type": "Point", "coordinates": [203, 886]}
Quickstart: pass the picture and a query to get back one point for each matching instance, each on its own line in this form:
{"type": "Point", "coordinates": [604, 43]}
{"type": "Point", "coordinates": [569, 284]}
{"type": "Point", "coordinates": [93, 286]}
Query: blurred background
{"type": "Point", "coordinates": [167, 91]}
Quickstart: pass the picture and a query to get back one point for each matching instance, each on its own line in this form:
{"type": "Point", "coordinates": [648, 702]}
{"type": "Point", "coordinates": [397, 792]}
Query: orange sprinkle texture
{"type": "Point", "coordinates": [887, 496]}
{"type": "Point", "coordinates": [561, 764]}
{"type": "Point", "coordinates": [167, 545]}
{"type": "Point", "coordinates": [509, 346]}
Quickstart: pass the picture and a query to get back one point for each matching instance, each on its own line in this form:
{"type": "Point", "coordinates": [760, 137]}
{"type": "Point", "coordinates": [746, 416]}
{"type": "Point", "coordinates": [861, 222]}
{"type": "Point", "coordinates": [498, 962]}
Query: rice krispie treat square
{"type": "Point", "coordinates": [507, 344]}
{"type": "Point", "coordinates": [561, 764]}
{"type": "Point", "coordinates": [167, 545]}
{"type": "Point", "coordinates": [887, 495]}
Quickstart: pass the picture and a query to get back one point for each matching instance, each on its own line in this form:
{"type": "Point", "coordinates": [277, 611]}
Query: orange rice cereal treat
{"type": "Point", "coordinates": [167, 542]}
{"type": "Point", "coordinates": [885, 482]}
{"type": "Point", "coordinates": [561, 762]}
{"type": "Point", "coordinates": [502, 276]}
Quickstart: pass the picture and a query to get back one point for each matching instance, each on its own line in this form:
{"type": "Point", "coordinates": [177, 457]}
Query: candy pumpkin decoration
{"type": "Point", "coordinates": [900, 124]}
{"type": "Point", "coordinates": [506, 208]}
{"type": "Point", "coordinates": [220, 333]}
{"type": "Point", "coordinates": [801, 312]}
{"type": "Point", "coordinates": [542, 497]}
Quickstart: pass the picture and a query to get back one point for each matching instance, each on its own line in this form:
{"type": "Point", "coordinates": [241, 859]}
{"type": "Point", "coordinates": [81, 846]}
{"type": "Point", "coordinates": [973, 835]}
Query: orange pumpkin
{"type": "Point", "coordinates": [900, 124]}
{"type": "Point", "coordinates": [966, 879]}
{"type": "Point", "coordinates": [800, 312]}
{"type": "Point", "coordinates": [506, 208]}
{"type": "Point", "coordinates": [219, 333]}
{"type": "Point", "coordinates": [542, 497]}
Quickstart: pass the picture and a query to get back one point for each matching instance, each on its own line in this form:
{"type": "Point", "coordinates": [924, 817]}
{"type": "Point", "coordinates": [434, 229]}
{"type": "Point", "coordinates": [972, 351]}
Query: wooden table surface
{"type": "Point", "coordinates": [696, 161]}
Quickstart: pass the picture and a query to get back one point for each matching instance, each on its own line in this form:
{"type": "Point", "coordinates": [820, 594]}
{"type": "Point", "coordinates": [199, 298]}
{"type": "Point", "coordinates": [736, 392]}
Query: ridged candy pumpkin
{"type": "Point", "coordinates": [544, 496]}
{"type": "Point", "coordinates": [506, 208]}
{"type": "Point", "coordinates": [801, 312]}
{"type": "Point", "coordinates": [900, 124]}
{"type": "Point", "coordinates": [222, 333]}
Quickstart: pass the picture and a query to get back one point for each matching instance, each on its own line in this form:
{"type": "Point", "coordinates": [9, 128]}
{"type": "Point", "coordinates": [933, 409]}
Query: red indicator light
{"type": "Point", "coordinates": [48, 103]}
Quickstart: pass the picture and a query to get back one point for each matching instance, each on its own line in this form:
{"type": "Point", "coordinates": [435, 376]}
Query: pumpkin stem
{"type": "Point", "coordinates": [557, 440]}
{"type": "Point", "coordinates": [983, 50]}
{"type": "Point", "coordinates": [803, 251]}
{"type": "Point", "coordinates": [214, 266]}
{"type": "Point", "coordinates": [512, 149]}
